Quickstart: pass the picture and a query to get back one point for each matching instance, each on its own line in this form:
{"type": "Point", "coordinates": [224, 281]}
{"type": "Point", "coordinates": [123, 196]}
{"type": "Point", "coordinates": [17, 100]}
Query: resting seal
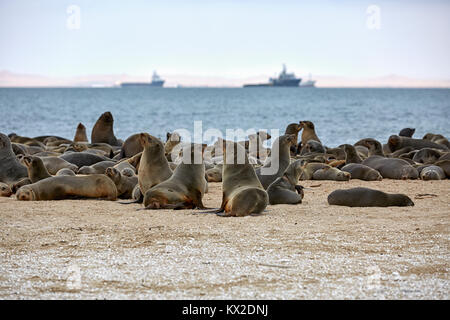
{"type": "Point", "coordinates": [362, 172]}
{"type": "Point", "coordinates": [397, 142]}
{"type": "Point", "coordinates": [365, 197]}
{"type": "Point", "coordinates": [96, 168]}
{"type": "Point", "coordinates": [285, 189]}
{"type": "Point", "coordinates": [294, 128]}
{"type": "Point", "coordinates": [103, 130]}
{"type": "Point", "coordinates": [81, 159]}
{"type": "Point", "coordinates": [432, 173]}
{"type": "Point", "coordinates": [242, 192]}
{"type": "Point", "coordinates": [131, 146]}
{"type": "Point", "coordinates": [54, 164]}
{"type": "Point", "coordinates": [331, 173]}
{"type": "Point", "coordinates": [125, 182]}
{"type": "Point", "coordinates": [214, 174]}
{"type": "Point", "coordinates": [407, 132]}
{"type": "Point", "coordinates": [65, 172]}
{"type": "Point", "coordinates": [68, 187]}
{"type": "Point", "coordinates": [10, 168]}
{"type": "Point", "coordinates": [426, 155]}
{"type": "Point", "coordinates": [351, 156]}
{"type": "Point", "coordinates": [5, 190]}
{"type": "Point", "coordinates": [392, 168]}
{"type": "Point", "coordinates": [280, 154]}
{"type": "Point", "coordinates": [185, 188]}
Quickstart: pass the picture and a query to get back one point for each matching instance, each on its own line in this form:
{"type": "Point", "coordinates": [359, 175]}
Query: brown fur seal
{"type": "Point", "coordinates": [294, 128]}
{"type": "Point", "coordinates": [312, 146]}
{"type": "Point", "coordinates": [10, 168]}
{"type": "Point", "coordinates": [103, 130]}
{"type": "Point", "coordinates": [374, 146]}
{"type": "Point", "coordinates": [365, 197]}
{"type": "Point", "coordinates": [280, 156]}
{"type": "Point", "coordinates": [80, 134]}
{"type": "Point", "coordinates": [54, 164]}
{"type": "Point", "coordinates": [242, 192]}
{"type": "Point", "coordinates": [67, 187]}
{"type": "Point", "coordinates": [351, 156]}
{"type": "Point", "coordinates": [5, 190]}
{"type": "Point", "coordinates": [185, 188]}
{"type": "Point", "coordinates": [309, 132]}
{"type": "Point", "coordinates": [398, 153]}
{"type": "Point", "coordinates": [214, 174]}
{"type": "Point", "coordinates": [131, 146]}
{"type": "Point", "coordinates": [125, 183]}
{"type": "Point", "coordinates": [153, 167]}
{"type": "Point", "coordinates": [173, 139]}
{"type": "Point", "coordinates": [397, 142]}
{"type": "Point", "coordinates": [392, 168]}
{"type": "Point", "coordinates": [81, 159]}
{"type": "Point", "coordinates": [285, 189]}
{"type": "Point", "coordinates": [310, 168]}
{"type": "Point", "coordinates": [331, 173]}
{"type": "Point", "coordinates": [362, 172]}
{"type": "Point", "coordinates": [432, 173]}
{"type": "Point", "coordinates": [339, 153]}
{"type": "Point", "coordinates": [65, 172]}
{"type": "Point", "coordinates": [427, 155]}
{"type": "Point", "coordinates": [36, 172]}
{"type": "Point", "coordinates": [96, 168]}
{"type": "Point", "coordinates": [407, 132]}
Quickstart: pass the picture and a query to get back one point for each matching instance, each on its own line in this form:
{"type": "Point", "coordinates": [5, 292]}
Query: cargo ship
{"type": "Point", "coordinates": [285, 79]}
{"type": "Point", "coordinates": [156, 82]}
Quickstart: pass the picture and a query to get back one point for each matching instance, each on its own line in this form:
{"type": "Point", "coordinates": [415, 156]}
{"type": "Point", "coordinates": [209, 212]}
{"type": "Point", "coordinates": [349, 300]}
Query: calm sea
{"type": "Point", "coordinates": [340, 115]}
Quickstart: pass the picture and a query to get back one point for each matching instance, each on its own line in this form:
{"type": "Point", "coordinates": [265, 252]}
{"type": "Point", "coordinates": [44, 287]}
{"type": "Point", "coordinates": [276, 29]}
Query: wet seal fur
{"type": "Point", "coordinates": [68, 187]}
{"type": "Point", "coordinates": [365, 197]}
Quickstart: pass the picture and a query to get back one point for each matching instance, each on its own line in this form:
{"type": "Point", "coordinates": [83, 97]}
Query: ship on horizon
{"type": "Point", "coordinates": [285, 79]}
{"type": "Point", "coordinates": [156, 82]}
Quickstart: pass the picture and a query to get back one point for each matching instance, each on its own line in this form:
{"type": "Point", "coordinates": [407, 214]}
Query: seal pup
{"type": "Point", "coordinates": [309, 132]}
{"type": "Point", "coordinates": [285, 189]}
{"type": "Point", "coordinates": [80, 134]}
{"type": "Point", "coordinates": [351, 156]}
{"type": "Point", "coordinates": [68, 187]}
{"type": "Point", "coordinates": [185, 188]}
{"type": "Point", "coordinates": [10, 169]}
{"type": "Point", "coordinates": [294, 128]}
{"type": "Point", "coordinates": [362, 172]}
{"type": "Point", "coordinates": [54, 164]}
{"type": "Point", "coordinates": [125, 181]}
{"type": "Point", "coordinates": [242, 191]}
{"type": "Point", "coordinates": [432, 172]}
{"type": "Point", "coordinates": [331, 173]}
{"type": "Point", "coordinates": [365, 197]}
{"type": "Point", "coordinates": [280, 155]}
{"type": "Point", "coordinates": [65, 172]}
{"type": "Point", "coordinates": [103, 130]}
{"type": "Point", "coordinates": [312, 146]}
{"type": "Point", "coordinates": [36, 172]}
{"type": "Point", "coordinates": [407, 132]}
{"type": "Point", "coordinates": [309, 169]}
{"type": "Point", "coordinates": [153, 166]}
{"type": "Point", "coordinates": [5, 190]}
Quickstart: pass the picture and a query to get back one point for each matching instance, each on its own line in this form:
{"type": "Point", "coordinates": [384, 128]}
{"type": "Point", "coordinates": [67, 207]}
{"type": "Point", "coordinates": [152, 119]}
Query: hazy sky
{"type": "Point", "coordinates": [226, 38]}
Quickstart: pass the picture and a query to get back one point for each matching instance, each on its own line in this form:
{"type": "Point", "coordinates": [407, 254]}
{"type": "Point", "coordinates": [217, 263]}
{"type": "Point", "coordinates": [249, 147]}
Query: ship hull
{"type": "Point", "coordinates": [143, 84]}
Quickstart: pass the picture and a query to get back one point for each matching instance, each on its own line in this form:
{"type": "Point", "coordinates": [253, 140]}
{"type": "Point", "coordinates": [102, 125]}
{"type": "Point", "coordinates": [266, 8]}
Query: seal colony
{"type": "Point", "coordinates": [168, 175]}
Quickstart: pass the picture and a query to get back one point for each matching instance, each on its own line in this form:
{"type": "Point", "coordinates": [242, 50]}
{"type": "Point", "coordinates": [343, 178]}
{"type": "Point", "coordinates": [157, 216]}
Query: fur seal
{"type": "Point", "coordinates": [54, 164]}
{"type": "Point", "coordinates": [125, 182]}
{"type": "Point", "coordinates": [96, 168]}
{"type": "Point", "coordinates": [375, 148]}
{"type": "Point", "coordinates": [214, 174]}
{"type": "Point", "coordinates": [280, 154]}
{"type": "Point", "coordinates": [81, 159]}
{"type": "Point", "coordinates": [242, 191]}
{"type": "Point", "coordinates": [432, 173]}
{"type": "Point", "coordinates": [103, 130]}
{"type": "Point", "coordinates": [65, 172]}
{"type": "Point", "coordinates": [285, 189]}
{"type": "Point", "coordinates": [173, 139]}
{"type": "Point", "coordinates": [392, 168]}
{"type": "Point", "coordinates": [153, 167]}
{"type": "Point", "coordinates": [5, 190]}
{"type": "Point", "coordinates": [68, 187]}
{"type": "Point", "coordinates": [309, 132]}
{"type": "Point", "coordinates": [444, 165]}
{"type": "Point", "coordinates": [362, 172]}
{"type": "Point", "coordinates": [80, 134]}
{"type": "Point", "coordinates": [294, 128]}
{"type": "Point", "coordinates": [331, 173]}
{"type": "Point", "coordinates": [407, 132]}
{"type": "Point", "coordinates": [396, 142]}
{"type": "Point", "coordinates": [312, 146]}
{"type": "Point", "coordinates": [365, 197]}
{"type": "Point", "coordinates": [310, 168]}
{"type": "Point", "coordinates": [351, 156]}
{"type": "Point", "coordinates": [10, 169]}
{"type": "Point", "coordinates": [426, 156]}
{"type": "Point", "coordinates": [36, 172]}
{"type": "Point", "coordinates": [131, 146]}
{"type": "Point", "coordinates": [185, 188]}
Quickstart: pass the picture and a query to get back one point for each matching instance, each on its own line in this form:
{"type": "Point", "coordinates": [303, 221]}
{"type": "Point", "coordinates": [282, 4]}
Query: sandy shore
{"type": "Point", "coordinates": [98, 249]}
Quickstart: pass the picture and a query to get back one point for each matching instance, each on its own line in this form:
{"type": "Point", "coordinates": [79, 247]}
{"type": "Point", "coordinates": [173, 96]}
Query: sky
{"type": "Point", "coordinates": [226, 38]}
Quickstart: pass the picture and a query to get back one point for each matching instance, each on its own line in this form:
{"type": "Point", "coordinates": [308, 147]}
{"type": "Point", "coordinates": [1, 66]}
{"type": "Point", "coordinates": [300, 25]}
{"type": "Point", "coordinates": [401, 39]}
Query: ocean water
{"type": "Point", "coordinates": [340, 115]}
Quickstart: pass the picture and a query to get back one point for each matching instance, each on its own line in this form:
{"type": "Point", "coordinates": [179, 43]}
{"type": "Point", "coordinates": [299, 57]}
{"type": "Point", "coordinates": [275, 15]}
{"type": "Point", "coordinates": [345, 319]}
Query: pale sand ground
{"type": "Point", "coordinates": [311, 250]}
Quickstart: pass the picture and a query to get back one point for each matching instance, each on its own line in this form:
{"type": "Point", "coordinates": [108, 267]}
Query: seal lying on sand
{"type": "Point", "coordinates": [96, 168]}
{"type": "Point", "coordinates": [331, 173]}
{"type": "Point", "coordinates": [54, 164]}
{"type": "Point", "coordinates": [242, 192]}
{"type": "Point", "coordinates": [125, 181]}
{"type": "Point", "coordinates": [185, 188]}
{"type": "Point", "coordinates": [351, 155]}
{"type": "Point", "coordinates": [10, 168]}
{"type": "Point", "coordinates": [103, 130]}
{"type": "Point", "coordinates": [81, 159]}
{"type": "Point", "coordinates": [362, 172]}
{"type": "Point", "coordinates": [5, 190]}
{"type": "Point", "coordinates": [68, 187]}
{"type": "Point", "coordinates": [392, 168]}
{"type": "Point", "coordinates": [280, 156]}
{"type": "Point", "coordinates": [36, 172]}
{"type": "Point", "coordinates": [214, 174]}
{"type": "Point", "coordinates": [432, 173]}
{"type": "Point", "coordinates": [285, 189]}
{"type": "Point", "coordinates": [365, 197]}
{"type": "Point", "coordinates": [397, 142]}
